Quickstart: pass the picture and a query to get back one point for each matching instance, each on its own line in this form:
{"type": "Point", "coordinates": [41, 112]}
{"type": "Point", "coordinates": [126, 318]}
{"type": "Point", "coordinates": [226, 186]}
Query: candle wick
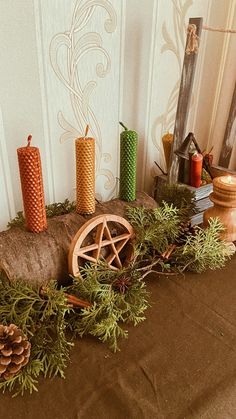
{"type": "Point", "coordinates": [125, 128]}
{"type": "Point", "coordinates": [29, 140]}
{"type": "Point", "coordinates": [86, 131]}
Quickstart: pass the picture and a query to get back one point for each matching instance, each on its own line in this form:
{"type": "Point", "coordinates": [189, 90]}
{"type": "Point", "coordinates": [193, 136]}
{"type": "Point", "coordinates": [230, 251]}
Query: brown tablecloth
{"type": "Point", "coordinates": [179, 363]}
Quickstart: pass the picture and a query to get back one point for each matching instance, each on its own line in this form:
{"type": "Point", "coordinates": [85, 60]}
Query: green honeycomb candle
{"type": "Point", "coordinates": [128, 160]}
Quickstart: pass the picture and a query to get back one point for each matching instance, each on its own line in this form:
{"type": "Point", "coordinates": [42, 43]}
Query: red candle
{"type": "Point", "coordinates": [209, 158]}
{"type": "Point", "coordinates": [32, 187]}
{"type": "Point", "coordinates": [196, 170]}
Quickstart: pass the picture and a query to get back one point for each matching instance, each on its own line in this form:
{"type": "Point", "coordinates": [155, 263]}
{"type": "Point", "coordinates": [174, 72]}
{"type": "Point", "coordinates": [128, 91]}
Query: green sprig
{"type": "Point", "coordinates": [204, 250]}
{"type": "Point", "coordinates": [116, 297]}
{"type": "Point", "coordinates": [110, 307]}
{"type": "Point", "coordinates": [154, 229]}
{"type": "Point", "coordinates": [159, 228]}
{"type": "Point", "coordinates": [42, 317]}
{"type": "Point", "coordinates": [179, 196]}
{"type": "Point", "coordinates": [52, 210]}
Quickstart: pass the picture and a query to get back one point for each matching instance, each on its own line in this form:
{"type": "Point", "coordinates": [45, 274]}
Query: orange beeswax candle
{"type": "Point", "coordinates": [32, 187]}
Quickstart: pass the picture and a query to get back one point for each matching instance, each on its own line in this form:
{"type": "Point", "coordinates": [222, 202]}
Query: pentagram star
{"type": "Point", "coordinates": [103, 239]}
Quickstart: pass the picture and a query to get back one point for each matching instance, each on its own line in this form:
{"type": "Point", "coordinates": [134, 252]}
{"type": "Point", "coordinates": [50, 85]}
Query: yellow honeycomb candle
{"type": "Point", "coordinates": [167, 141]}
{"type": "Point", "coordinates": [85, 174]}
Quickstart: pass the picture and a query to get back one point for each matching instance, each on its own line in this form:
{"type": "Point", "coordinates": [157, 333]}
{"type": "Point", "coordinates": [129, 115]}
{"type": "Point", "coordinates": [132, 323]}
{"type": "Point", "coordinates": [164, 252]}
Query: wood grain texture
{"type": "Point", "coordinates": [39, 257]}
{"type": "Point", "coordinates": [224, 200]}
{"type": "Point", "coordinates": [221, 171]}
{"type": "Point", "coordinates": [104, 239]}
{"type": "Point", "coordinates": [230, 134]}
{"type": "Point", "coordinates": [185, 92]}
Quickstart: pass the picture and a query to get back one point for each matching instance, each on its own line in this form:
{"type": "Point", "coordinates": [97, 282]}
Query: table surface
{"type": "Point", "coordinates": [179, 363]}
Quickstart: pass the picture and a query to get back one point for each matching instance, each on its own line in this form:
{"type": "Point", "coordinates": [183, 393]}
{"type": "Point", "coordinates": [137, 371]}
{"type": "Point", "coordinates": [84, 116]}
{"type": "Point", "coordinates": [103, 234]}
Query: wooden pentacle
{"type": "Point", "coordinates": [106, 237]}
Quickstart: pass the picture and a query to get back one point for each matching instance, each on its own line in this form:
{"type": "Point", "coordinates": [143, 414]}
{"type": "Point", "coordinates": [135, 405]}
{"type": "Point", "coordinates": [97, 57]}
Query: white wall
{"type": "Point", "coordinates": [226, 81]}
{"type": "Point", "coordinates": [66, 63]}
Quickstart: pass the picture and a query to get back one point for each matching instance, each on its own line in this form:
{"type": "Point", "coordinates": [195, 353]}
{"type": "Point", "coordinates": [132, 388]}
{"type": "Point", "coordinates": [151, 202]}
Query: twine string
{"type": "Point", "coordinates": [210, 28]}
{"type": "Point", "coordinates": [193, 39]}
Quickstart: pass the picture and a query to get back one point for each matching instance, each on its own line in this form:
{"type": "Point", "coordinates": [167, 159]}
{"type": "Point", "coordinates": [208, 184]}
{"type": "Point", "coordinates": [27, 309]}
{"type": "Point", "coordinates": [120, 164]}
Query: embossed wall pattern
{"type": "Point", "coordinates": [83, 72]}
{"type": "Point", "coordinates": [90, 62]}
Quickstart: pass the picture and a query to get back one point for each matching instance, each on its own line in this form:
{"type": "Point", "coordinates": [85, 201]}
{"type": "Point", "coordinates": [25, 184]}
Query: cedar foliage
{"type": "Point", "coordinates": [179, 196]}
{"type": "Point", "coordinates": [42, 319]}
{"type": "Point", "coordinates": [43, 315]}
{"type": "Point", "coordinates": [111, 307]}
{"type": "Point", "coordinates": [154, 229]}
{"type": "Point", "coordinates": [203, 250]}
{"type": "Point", "coordinates": [117, 297]}
{"type": "Point", "coordinates": [158, 228]}
{"type": "Point", "coordinates": [52, 210]}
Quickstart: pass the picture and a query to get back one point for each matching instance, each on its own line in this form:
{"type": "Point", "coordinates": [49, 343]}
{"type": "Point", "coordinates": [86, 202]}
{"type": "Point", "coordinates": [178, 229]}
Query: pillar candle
{"type": "Point", "coordinates": [191, 152]}
{"type": "Point", "coordinates": [209, 158]}
{"type": "Point", "coordinates": [167, 141]}
{"type": "Point", "coordinates": [32, 187]}
{"type": "Point", "coordinates": [85, 174]}
{"type": "Point", "coordinates": [224, 206]}
{"type": "Point", "coordinates": [196, 170]}
{"type": "Point", "coordinates": [128, 161]}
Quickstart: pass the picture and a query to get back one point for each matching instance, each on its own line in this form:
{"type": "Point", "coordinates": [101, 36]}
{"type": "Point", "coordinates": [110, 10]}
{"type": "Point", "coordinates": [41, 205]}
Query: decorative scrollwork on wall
{"type": "Point", "coordinates": [175, 44]}
{"type": "Point", "coordinates": [75, 45]}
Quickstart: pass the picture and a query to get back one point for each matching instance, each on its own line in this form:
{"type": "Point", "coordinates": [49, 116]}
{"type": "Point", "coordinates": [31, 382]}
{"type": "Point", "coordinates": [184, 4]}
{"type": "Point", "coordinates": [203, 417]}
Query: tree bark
{"type": "Point", "coordinates": [38, 257]}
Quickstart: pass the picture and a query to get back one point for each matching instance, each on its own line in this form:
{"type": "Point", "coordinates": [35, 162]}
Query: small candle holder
{"type": "Point", "coordinates": [224, 200]}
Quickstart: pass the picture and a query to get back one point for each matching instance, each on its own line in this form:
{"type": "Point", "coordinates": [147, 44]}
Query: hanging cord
{"type": "Point", "coordinates": [192, 37]}
{"type": "Point", "coordinates": [209, 28]}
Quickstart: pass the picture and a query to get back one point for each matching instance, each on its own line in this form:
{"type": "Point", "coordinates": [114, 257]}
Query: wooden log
{"type": "Point", "coordinates": [37, 258]}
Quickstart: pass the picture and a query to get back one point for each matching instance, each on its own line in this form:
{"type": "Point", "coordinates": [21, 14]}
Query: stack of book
{"type": "Point", "coordinates": [201, 197]}
{"type": "Point", "coordinates": [202, 201]}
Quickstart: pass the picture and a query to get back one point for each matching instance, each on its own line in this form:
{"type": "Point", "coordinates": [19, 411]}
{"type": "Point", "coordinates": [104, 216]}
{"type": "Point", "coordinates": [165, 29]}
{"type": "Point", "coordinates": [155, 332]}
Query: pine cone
{"type": "Point", "coordinates": [185, 229]}
{"type": "Point", "coordinates": [14, 350]}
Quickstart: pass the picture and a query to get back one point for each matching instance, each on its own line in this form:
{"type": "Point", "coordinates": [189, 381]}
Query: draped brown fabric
{"type": "Point", "coordinates": [179, 363]}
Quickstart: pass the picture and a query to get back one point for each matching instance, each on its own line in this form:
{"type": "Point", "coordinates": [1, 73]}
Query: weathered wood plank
{"type": "Point", "coordinates": [185, 92]}
{"type": "Point", "coordinates": [221, 171]}
{"type": "Point", "coordinates": [230, 134]}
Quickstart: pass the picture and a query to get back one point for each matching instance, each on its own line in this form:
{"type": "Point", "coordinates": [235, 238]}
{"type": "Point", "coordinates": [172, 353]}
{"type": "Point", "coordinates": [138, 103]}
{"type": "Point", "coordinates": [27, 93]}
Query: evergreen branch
{"type": "Point", "coordinates": [179, 196]}
{"type": "Point", "coordinates": [52, 210]}
{"type": "Point", "coordinates": [24, 381]}
{"type": "Point", "coordinates": [110, 307]}
{"type": "Point", "coordinates": [116, 297]}
{"type": "Point", "coordinates": [42, 319]}
{"type": "Point", "coordinates": [159, 228]}
{"type": "Point", "coordinates": [154, 229]}
{"type": "Point", "coordinates": [204, 250]}
{"type": "Point", "coordinates": [18, 221]}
